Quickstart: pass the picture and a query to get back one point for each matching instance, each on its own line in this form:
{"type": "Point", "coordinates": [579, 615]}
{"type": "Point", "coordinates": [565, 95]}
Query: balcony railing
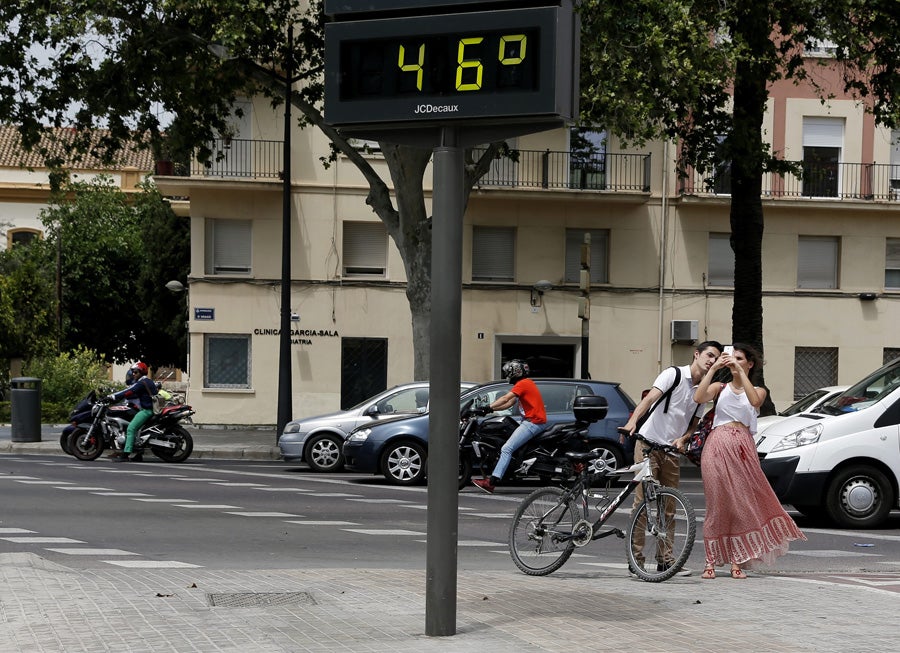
{"type": "Point", "coordinates": [238, 158]}
{"type": "Point", "coordinates": [856, 181]}
{"type": "Point", "coordinates": [569, 170]}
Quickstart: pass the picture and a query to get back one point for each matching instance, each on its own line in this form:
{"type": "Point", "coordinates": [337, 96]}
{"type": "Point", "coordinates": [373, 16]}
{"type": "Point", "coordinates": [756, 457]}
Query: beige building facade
{"type": "Point", "coordinates": [660, 265]}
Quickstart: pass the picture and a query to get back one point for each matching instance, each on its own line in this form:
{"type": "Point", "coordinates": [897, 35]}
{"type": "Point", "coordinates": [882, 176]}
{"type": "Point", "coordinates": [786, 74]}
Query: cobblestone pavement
{"type": "Point", "coordinates": [45, 607]}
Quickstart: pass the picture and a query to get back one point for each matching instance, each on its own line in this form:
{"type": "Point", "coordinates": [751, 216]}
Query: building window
{"type": "Point", "coordinates": [587, 162]}
{"type": "Point", "coordinates": [823, 139]}
{"type": "Point", "coordinates": [721, 261]}
{"type": "Point", "coordinates": [493, 254]}
{"type": "Point", "coordinates": [363, 369]}
{"type": "Point", "coordinates": [820, 48]}
{"type": "Point", "coordinates": [365, 249]}
{"type": "Point", "coordinates": [226, 361]}
{"type": "Point", "coordinates": [814, 368]}
{"type": "Point", "coordinates": [890, 354]}
{"type": "Point", "coordinates": [817, 262]}
{"type": "Point", "coordinates": [892, 264]}
{"type": "Point", "coordinates": [21, 236]}
{"type": "Point", "coordinates": [599, 255]}
{"type": "Point", "coordinates": [228, 247]}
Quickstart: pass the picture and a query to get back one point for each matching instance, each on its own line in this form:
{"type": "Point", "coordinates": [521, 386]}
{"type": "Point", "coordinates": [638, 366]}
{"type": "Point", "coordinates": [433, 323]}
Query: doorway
{"type": "Point", "coordinates": [545, 359]}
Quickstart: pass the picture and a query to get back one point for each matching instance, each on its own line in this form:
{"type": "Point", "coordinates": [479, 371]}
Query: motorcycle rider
{"type": "Point", "coordinates": [533, 423]}
{"type": "Point", "coordinates": [142, 391]}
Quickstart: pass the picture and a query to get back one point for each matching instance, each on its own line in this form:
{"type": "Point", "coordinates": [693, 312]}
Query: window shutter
{"type": "Point", "coordinates": [599, 255]}
{"type": "Point", "coordinates": [231, 247]}
{"type": "Point", "coordinates": [365, 248]}
{"type": "Point", "coordinates": [493, 254]}
{"type": "Point", "coordinates": [721, 261]}
{"type": "Point", "coordinates": [823, 132]}
{"type": "Point", "coordinates": [817, 262]}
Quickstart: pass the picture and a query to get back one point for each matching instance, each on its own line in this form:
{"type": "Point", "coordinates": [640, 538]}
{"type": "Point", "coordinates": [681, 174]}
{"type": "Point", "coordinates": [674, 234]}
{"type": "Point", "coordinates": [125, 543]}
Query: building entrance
{"type": "Point", "coordinates": [546, 360]}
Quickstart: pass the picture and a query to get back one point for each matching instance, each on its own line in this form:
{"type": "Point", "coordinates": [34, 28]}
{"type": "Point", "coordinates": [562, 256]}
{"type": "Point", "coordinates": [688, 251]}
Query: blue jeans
{"type": "Point", "coordinates": [519, 437]}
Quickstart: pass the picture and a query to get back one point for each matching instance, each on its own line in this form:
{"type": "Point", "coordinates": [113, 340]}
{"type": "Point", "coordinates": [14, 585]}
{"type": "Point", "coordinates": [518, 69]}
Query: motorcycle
{"type": "Point", "coordinates": [107, 424]}
{"type": "Point", "coordinates": [482, 436]}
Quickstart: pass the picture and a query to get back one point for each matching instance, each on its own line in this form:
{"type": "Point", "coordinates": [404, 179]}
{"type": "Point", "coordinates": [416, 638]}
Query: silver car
{"type": "Point", "coordinates": [318, 440]}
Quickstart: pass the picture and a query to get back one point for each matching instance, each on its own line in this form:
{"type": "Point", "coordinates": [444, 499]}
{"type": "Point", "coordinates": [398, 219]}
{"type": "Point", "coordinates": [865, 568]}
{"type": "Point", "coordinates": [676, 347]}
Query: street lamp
{"type": "Point", "coordinates": [176, 286]}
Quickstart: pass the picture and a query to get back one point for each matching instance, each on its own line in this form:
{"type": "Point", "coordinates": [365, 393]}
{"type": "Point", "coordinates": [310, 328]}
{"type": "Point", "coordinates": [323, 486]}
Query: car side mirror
{"type": "Point", "coordinates": [372, 411]}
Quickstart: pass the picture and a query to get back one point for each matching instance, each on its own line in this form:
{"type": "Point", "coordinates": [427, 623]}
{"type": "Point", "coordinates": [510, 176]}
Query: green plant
{"type": "Point", "coordinates": [69, 376]}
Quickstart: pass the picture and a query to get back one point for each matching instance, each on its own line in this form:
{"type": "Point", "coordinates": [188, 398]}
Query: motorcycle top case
{"type": "Point", "coordinates": [590, 408]}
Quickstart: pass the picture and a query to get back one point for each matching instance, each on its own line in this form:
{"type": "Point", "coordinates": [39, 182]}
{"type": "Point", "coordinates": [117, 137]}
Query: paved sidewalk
{"type": "Point", "coordinates": [209, 442]}
{"type": "Point", "coordinates": [48, 608]}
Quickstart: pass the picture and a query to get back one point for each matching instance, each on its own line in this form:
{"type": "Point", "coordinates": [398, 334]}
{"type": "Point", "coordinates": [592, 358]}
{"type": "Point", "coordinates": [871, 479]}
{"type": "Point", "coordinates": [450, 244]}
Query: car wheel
{"type": "Point", "coordinates": [323, 453]}
{"type": "Point", "coordinates": [859, 497]}
{"type": "Point", "coordinates": [403, 463]}
{"type": "Point", "coordinates": [609, 454]}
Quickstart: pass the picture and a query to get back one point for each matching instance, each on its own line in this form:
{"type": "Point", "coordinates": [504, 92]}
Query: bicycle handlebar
{"type": "Point", "coordinates": [667, 448]}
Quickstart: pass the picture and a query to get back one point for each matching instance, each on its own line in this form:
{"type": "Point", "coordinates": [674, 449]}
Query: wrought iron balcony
{"type": "Point", "coordinates": [569, 170]}
{"type": "Point", "coordinates": [819, 180]}
{"type": "Point", "coordinates": [232, 158]}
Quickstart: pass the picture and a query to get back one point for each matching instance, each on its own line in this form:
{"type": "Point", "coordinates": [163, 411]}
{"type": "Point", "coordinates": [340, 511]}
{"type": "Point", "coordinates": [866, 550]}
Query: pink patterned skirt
{"type": "Point", "coordinates": [745, 522]}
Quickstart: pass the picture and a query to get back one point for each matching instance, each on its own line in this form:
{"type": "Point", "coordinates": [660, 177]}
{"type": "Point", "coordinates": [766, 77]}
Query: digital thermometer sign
{"type": "Point", "coordinates": [482, 66]}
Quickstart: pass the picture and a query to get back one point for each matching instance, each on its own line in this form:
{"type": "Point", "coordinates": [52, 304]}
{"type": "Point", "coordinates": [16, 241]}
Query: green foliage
{"type": "Point", "coordinates": [27, 300]}
{"type": "Point", "coordinates": [69, 376]}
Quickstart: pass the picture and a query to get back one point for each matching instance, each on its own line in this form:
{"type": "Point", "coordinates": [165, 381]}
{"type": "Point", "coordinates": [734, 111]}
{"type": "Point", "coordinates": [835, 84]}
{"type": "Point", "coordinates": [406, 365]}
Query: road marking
{"type": "Point", "coordinates": [383, 531]}
{"type": "Point", "coordinates": [489, 515]}
{"type": "Point", "coordinates": [282, 489]}
{"type": "Point", "coordinates": [41, 540]}
{"type": "Point", "coordinates": [94, 552]}
{"type": "Point", "coordinates": [194, 480]}
{"type": "Point", "coordinates": [16, 478]}
{"type": "Point", "coordinates": [473, 543]}
{"type": "Point", "coordinates": [167, 500]}
{"type": "Point", "coordinates": [833, 553]}
{"type": "Point", "coordinates": [85, 488]}
{"type": "Point", "coordinates": [263, 514]}
{"type": "Point", "coordinates": [379, 500]}
{"type": "Point", "coordinates": [122, 494]}
{"type": "Point", "coordinates": [10, 531]}
{"type": "Point", "coordinates": [152, 564]}
{"type": "Point", "coordinates": [312, 522]}
{"type": "Point", "coordinates": [44, 482]}
{"type": "Point", "coordinates": [334, 494]}
{"type": "Point", "coordinates": [854, 534]}
{"type": "Point", "coordinates": [231, 484]}
{"type": "Point", "coordinates": [208, 506]}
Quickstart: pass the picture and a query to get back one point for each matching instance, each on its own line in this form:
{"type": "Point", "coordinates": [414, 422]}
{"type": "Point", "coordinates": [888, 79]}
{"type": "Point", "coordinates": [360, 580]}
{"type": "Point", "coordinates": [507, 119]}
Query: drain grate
{"type": "Point", "coordinates": [259, 599]}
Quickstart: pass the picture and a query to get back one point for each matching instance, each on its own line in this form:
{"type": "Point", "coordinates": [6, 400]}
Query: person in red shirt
{"type": "Point", "coordinates": [534, 422]}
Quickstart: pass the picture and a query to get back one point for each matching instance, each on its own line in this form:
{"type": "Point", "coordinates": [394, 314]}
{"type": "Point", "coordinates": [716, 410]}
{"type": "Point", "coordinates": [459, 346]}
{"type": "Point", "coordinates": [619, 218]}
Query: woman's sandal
{"type": "Point", "coordinates": [708, 573]}
{"type": "Point", "coordinates": [737, 572]}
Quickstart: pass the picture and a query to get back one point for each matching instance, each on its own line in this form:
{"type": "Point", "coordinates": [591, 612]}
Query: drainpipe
{"type": "Point", "coordinates": [663, 244]}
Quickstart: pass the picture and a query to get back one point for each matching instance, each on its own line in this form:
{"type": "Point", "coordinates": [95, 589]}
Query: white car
{"type": "Point", "coordinates": [842, 459]}
{"type": "Point", "coordinates": [807, 404]}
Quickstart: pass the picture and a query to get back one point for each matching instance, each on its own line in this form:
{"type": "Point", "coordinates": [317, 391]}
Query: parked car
{"type": "Point", "coordinates": [318, 440]}
{"type": "Point", "coordinates": [808, 403]}
{"type": "Point", "coordinates": [399, 449]}
{"type": "Point", "coordinates": [840, 460]}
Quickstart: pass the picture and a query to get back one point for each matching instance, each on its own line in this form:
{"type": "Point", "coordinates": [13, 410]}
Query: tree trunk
{"type": "Point", "coordinates": [747, 151]}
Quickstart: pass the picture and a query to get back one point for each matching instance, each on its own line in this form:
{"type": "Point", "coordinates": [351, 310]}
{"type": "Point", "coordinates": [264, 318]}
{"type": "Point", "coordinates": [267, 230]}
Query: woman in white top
{"type": "Point", "coordinates": [744, 522]}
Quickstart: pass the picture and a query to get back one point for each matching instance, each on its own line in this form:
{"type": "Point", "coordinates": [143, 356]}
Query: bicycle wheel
{"type": "Point", "coordinates": [661, 534]}
{"type": "Point", "coordinates": [541, 534]}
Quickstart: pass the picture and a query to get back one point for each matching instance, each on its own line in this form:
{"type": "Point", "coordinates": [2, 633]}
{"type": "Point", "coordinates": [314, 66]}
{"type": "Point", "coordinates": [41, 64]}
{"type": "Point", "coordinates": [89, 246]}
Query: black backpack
{"type": "Point", "coordinates": [665, 398]}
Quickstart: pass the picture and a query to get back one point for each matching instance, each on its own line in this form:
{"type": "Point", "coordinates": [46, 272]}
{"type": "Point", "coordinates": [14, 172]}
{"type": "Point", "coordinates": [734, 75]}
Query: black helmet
{"type": "Point", "coordinates": [515, 369]}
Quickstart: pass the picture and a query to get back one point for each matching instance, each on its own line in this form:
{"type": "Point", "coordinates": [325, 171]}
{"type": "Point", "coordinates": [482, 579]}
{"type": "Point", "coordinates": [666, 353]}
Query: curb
{"type": "Point", "coordinates": [221, 452]}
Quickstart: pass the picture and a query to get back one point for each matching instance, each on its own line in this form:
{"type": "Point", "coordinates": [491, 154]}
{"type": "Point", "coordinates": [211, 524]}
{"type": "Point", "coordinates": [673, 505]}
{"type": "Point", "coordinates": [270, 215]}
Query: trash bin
{"type": "Point", "coordinates": [25, 406]}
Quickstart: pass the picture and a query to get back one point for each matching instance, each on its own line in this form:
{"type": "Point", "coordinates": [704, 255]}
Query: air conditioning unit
{"type": "Point", "coordinates": [685, 330]}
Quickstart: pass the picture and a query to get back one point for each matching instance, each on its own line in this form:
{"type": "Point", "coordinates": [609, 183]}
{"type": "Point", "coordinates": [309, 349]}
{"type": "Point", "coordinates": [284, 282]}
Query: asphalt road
{"type": "Point", "coordinates": [219, 514]}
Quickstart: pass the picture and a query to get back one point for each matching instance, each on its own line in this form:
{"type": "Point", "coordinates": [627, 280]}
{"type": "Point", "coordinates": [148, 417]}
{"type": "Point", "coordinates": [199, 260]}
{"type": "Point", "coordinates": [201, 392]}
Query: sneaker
{"type": "Point", "coordinates": [681, 572]}
{"type": "Point", "coordinates": [137, 458]}
{"type": "Point", "coordinates": [484, 484]}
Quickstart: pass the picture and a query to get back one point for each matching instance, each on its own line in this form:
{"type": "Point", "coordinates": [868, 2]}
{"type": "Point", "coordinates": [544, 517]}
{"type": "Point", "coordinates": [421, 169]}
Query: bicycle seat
{"type": "Point", "coordinates": [582, 457]}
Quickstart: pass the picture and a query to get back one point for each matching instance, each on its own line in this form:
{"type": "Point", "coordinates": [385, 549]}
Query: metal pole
{"type": "Point", "coordinates": [284, 342]}
{"type": "Point", "coordinates": [443, 423]}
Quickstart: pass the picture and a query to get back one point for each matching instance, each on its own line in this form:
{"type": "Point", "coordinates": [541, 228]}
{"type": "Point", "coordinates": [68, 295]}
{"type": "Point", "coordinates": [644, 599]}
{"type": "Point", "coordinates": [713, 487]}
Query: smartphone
{"type": "Point", "coordinates": [728, 350]}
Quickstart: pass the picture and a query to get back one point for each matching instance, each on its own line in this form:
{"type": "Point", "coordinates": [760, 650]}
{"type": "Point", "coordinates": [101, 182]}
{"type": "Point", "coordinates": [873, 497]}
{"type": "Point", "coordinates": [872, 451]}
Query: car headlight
{"type": "Point", "coordinates": [292, 427]}
{"type": "Point", "coordinates": [360, 436]}
{"type": "Point", "coordinates": [801, 438]}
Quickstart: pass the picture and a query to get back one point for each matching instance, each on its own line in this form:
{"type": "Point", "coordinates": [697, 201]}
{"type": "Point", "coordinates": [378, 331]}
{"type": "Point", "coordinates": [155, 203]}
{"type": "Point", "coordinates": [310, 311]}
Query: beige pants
{"type": "Point", "coordinates": [667, 470]}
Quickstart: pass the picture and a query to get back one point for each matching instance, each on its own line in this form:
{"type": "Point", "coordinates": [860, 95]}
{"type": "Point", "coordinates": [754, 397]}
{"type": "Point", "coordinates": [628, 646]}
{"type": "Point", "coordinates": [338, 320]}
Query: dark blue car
{"type": "Point", "coordinates": [399, 448]}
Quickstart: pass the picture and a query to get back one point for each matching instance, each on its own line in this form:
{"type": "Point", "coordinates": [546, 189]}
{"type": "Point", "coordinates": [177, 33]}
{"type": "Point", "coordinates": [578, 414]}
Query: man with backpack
{"type": "Point", "coordinates": [664, 415]}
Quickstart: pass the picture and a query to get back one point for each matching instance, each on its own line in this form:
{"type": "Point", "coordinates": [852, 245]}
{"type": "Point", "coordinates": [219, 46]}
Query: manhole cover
{"type": "Point", "coordinates": [259, 599]}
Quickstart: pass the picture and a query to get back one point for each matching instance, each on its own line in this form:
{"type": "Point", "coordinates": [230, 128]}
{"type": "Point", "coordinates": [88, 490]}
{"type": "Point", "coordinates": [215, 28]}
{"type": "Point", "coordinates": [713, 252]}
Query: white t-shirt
{"type": "Point", "coordinates": [734, 406]}
{"type": "Point", "coordinates": [666, 427]}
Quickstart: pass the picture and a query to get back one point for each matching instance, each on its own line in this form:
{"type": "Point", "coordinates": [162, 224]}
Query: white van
{"type": "Point", "coordinates": [842, 459]}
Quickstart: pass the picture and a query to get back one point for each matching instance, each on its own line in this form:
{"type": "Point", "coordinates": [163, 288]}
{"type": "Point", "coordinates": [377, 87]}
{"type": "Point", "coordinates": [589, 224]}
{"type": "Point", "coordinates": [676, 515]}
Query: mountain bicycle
{"type": "Point", "coordinates": [552, 522]}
